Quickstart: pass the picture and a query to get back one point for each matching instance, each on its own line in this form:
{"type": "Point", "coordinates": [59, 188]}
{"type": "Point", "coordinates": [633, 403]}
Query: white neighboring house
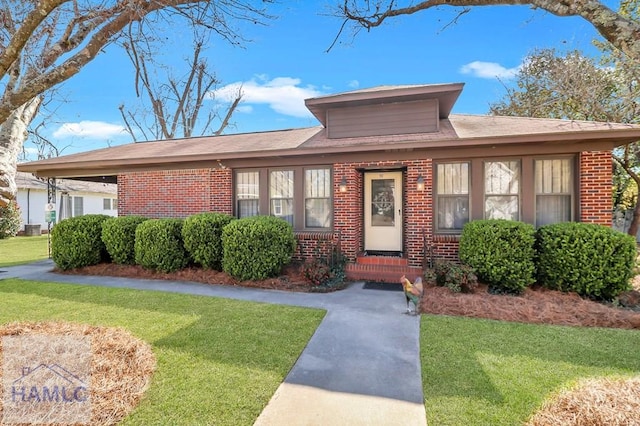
{"type": "Point", "coordinates": [73, 198]}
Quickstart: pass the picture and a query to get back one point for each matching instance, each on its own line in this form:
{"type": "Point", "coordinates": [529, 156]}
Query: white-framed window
{"type": "Point", "coordinates": [452, 196]}
{"type": "Point", "coordinates": [502, 189]}
{"type": "Point", "coordinates": [281, 194]}
{"type": "Point", "coordinates": [554, 190]}
{"type": "Point", "coordinates": [247, 194]}
{"type": "Point", "coordinates": [78, 206]}
{"type": "Point", "coordinates": [317, 198]}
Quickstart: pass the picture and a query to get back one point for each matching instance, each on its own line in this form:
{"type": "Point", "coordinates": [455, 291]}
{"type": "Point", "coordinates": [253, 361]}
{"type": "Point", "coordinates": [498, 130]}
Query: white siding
{"type": "Point", "coordinates": [32, 203]}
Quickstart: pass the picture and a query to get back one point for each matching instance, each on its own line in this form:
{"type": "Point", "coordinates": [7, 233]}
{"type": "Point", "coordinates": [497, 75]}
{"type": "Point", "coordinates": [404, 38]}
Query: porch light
{"type": "Point", "coordinates": [343, 184]}
{"type": "Point", "coordinates": [420, 183]}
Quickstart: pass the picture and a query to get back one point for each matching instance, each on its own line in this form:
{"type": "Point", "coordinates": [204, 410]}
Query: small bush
{"type": "Point", "coordinates": [202, 236]}
{"type": "Point", "coordinates": [326, 272]}
{"type": "Point", "coordinates": [119, 237]}
{"type": "Point", "coordinates": [592, 260]}
{"type": "Point", "coordinates": [77, 241]}
{"type": "Point", "coordinates": [457, 278]}
{"type": "Point", "coordinates": [501, 252]}
{"type": "Point", "coordinates": [257, 247]}
{"type": "Point", "coordinates": [159, 246]}
{"type": "Point", "coordinates": [10, 220]}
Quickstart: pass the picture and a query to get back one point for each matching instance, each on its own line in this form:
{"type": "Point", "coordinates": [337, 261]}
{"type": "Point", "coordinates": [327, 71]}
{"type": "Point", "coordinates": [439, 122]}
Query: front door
{"type": "Point", "coordinates": [383, 211]}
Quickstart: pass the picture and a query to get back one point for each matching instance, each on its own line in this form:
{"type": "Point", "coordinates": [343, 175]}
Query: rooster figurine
{"type": "Point", "coordinates": [413, 293]}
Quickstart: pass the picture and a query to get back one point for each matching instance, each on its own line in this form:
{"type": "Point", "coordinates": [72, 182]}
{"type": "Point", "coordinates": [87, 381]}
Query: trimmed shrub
{"type": "Point", "coordinates": [592, 260]}
{"type": "Point", "coordinates": [257, 247]}
{"type": "Point", "coordinates": [159, 245]}
{"type": "Point", "coordinates": [457, 278]}
{"type": "Point", "coordinates": [77, 241]}
{"type": "Point", "coordinates": [202, 236]}
{"type": "Point", "coordinates": [10, 220]}
{"type": "Point", "coordinates": [501, 252]}
{"type": "Point", "coordinates": [119, 237]}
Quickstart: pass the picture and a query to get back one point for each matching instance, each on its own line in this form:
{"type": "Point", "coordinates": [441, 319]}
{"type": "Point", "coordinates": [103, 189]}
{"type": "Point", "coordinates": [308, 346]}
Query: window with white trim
{"type": "Point", "coordinates": [247, 194]}
{"type": "Point", "coordinates": [317, 198]}
{"type": "Point", "coordinates": [502, 190]}
{"type": "Point", "coordinates": [281, 194]}
{"type": "Point", "coordinates": [452, 196]}
{"type": "Point", "coordinates": [554, 190]}
{"type": "Point", "coordinates": [78, 206]}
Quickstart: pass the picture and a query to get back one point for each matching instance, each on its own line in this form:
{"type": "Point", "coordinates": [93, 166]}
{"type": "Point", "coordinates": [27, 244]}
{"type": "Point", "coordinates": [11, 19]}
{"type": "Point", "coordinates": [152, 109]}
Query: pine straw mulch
{"type": "Point", "coordinates": [291, 278]}
{"type": "Point", "coordinates": [536, 305]}
{"type": "Point", "coordinates": [121, 365]}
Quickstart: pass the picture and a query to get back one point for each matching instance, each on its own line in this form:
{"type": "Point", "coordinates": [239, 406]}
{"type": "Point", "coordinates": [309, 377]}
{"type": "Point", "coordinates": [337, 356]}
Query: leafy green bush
{"type": "Point", "coordinates": [159, 245]}
{"type": "Point", "coordinates": [501, 252]}
{"type": "Point", "coordinates": [10, 220]}
{"type": "Point", "coordinates": [257, 247]}
{"type": "Point", "coordinates": [457, 278]}
{"type": "Point", "coordinates": [592, 260]}
{"type": "Point", "coordinates": [202, 236]}
{"type": "Point", "coordinates": [77, 241]}
{"type": "Point", "coordinates": [119, 237]}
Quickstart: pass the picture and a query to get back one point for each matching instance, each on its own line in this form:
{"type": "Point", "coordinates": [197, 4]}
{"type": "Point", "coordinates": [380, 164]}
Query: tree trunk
{"type": "Point", "coordinates": [635, 221]}
{"type": "Point", "coordinates": [13, 134]}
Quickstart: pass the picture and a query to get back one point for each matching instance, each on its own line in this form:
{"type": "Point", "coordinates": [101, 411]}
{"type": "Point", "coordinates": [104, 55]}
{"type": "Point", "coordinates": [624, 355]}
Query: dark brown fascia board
{"type": "Point", "coordinates": [448, 93]}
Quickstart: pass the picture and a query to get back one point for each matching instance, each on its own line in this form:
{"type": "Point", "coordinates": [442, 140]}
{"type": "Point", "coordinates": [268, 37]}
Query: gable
{"type": "Point", "coordinates": [383, 119]}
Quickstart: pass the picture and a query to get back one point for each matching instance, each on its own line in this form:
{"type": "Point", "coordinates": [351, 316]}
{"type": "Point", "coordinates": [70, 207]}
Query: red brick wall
{"type": "Point", "coordinates": [221, 191]}
{"type": "Point", "coordinates": [310, 245]}
{"type": "Point", "coordinates": [349, 214]}
{"type": "Point", "coordinates": [174, 193]}
{"type": "Point", "coordinates": [596, 179]}
{"type": "Point", "coordinates": [185, 192]}
{"type": "Point", "coordinates": [347, 209]}
{"type": "Point", "coordinates": [418, 211]}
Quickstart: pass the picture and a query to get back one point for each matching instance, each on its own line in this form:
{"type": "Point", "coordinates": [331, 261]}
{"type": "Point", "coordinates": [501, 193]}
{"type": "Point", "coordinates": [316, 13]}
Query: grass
{"type": "Point", "coordinates": [480, 372]}
{"type": "Point", "coordinates": [219, 360]}
{"type": "Point", "coordinates": [20, 250]}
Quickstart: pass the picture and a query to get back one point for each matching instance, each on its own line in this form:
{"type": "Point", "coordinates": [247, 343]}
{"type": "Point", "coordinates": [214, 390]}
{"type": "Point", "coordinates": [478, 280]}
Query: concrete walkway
{"type": "Point", "coordinates": [361, 367]}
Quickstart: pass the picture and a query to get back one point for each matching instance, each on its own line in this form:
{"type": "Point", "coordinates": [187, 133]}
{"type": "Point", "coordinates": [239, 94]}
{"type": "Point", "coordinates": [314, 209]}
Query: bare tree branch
{"type": "Point", "coordinates": [621, 31]}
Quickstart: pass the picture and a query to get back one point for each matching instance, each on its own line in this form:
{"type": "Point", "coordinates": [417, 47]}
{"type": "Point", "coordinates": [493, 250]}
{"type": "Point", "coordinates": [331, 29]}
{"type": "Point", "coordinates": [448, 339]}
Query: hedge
{"type": "Point", "coordinates": [77, 242]}
{"type": "Point", "coordinates": [501, 253]}
{"type": "Point", "coordinates": [202, 236]}
{"type": "Point", "coordinates": [592, 260]}
{"type": "Point", "coordinates": [257, 247]}
{"type": "Point", "coordinates": [159, 246]}
{"type": "Point", "coordinates": [119, 237]}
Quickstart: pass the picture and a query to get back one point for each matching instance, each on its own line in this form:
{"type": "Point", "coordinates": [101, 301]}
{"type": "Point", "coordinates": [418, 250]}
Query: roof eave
{"type": "Point", "coordinates": [118, 166]}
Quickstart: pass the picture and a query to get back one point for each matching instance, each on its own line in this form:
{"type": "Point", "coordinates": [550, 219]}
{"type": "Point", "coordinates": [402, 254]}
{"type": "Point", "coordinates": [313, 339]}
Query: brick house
{"type": "Point", "coordinates": [389, 175]}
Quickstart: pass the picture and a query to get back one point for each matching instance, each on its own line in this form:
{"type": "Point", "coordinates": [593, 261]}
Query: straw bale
{"type": "Point", "coordinates": [121, 365]}
{"type": "Point", "coordinates": [602, 401]}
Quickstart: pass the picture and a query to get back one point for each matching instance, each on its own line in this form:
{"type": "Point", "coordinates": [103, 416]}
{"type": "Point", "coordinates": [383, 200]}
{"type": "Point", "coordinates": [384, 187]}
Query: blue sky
{"type": "Point", "coordinates": [286, 61]}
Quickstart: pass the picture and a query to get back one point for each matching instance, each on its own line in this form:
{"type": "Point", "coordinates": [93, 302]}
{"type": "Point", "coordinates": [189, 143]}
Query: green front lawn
{"type": "Point", "coordinates": [219, 360]}
{"type": "Point", "coordinates": [485, 372]}
{"type": "Point", "coordinates": [20, 250]}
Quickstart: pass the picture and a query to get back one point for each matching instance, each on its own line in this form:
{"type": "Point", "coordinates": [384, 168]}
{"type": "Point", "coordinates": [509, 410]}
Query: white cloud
{"type": "Point", "coordinates": [284, 95]}
{"type": "Point", "coordinates": [89, 129]}
{"type": "Point", "coordinates": [354, 84]}
{"type": "Point", "coordinates": [488, 70]}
